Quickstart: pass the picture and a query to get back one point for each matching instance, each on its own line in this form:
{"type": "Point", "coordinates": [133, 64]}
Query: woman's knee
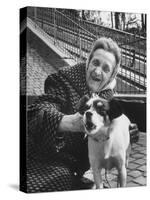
{"type": "Point", "coordinates": [56, 177]}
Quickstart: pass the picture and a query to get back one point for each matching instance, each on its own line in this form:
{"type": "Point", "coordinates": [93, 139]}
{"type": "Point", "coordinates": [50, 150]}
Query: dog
{"type": "Point", "coordinates": [107, 128]}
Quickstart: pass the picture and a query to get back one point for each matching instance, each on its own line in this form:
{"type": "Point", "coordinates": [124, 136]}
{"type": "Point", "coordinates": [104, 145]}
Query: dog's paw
{"type": "Point", "coordinates": [93, 187]}
{"type": "Point", "coordinates": [100, 187]}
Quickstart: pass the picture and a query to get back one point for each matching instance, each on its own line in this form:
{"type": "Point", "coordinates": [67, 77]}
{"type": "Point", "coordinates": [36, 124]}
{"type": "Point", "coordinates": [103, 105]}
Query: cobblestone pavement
{"type": "Point", "coordinates": [136, 171]}
{"type": "Point", "coordinates": [41, 63]}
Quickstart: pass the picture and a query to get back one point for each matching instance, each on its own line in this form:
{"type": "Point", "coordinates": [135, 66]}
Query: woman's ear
{"type": "Point", "coordinates": [81, 104]}
{"type": "Point", "coordinates": [115, 109]}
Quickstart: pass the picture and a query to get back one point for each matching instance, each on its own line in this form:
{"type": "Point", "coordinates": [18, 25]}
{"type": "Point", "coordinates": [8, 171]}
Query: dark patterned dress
{"type": "Point", "coordinates": [55, 159]}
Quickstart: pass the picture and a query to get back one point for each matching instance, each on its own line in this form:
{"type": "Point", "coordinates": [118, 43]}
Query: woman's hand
{"type": "Point", "coordinates": [134, 133]}
{"type": "Point", "coordinates": [73, 123]}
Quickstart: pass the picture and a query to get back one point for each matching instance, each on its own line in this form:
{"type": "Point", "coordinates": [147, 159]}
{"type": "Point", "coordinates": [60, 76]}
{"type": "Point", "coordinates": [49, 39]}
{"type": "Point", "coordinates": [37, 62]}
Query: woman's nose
{"type": "Point", "coordinates": [98, 71]}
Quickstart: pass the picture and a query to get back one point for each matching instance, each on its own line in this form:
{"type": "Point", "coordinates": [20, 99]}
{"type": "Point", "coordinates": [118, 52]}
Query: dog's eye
{"type": "Point", "coordinates": [100, 110]}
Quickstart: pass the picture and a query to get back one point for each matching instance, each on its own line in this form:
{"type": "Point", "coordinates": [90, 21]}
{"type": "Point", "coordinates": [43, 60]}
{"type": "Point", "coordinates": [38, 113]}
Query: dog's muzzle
{"type": "Point", "coordinates": [88, 122]}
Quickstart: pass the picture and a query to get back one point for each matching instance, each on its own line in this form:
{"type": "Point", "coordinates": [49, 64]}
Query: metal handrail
{"type": "Point", "coordinates": [76, 41]}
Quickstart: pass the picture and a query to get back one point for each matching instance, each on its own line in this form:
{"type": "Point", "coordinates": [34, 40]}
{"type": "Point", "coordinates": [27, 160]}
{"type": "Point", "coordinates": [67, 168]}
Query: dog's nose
{"type": "Point", "coordinates": [88, 115]}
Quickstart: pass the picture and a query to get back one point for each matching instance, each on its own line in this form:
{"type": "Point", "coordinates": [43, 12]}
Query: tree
{"type": "Point", "coordinates": [123, 17]}
{"type": "Point", "coordinates": [117, 20]}
{"type": "Point", "coordinates": [83, 15]}
{"type": "Point", "coordinates": [143, 19]}
{"type": "Point", "coordinates": [112, 22]}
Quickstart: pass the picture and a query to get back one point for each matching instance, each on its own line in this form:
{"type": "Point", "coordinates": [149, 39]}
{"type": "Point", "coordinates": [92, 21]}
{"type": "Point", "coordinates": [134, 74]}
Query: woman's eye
{"type": "Point", "coordinates": [96, 62]}
{"type": "Point", "coordinates": [106, 68]}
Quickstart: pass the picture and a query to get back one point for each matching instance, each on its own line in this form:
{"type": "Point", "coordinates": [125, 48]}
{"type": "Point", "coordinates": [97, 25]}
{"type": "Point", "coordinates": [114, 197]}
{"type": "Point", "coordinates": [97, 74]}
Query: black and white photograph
{"type": "Point", "coordinates": [83, 95]}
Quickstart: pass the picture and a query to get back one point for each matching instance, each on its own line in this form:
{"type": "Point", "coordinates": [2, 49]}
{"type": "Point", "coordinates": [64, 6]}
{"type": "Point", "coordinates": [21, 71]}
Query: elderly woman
{"type": "Point", "coordinates": [57, 147]}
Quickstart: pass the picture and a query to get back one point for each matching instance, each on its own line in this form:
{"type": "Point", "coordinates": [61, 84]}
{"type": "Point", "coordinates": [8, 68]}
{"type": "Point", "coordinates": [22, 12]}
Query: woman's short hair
{"type": "Point", "coordinates": [108, 45]}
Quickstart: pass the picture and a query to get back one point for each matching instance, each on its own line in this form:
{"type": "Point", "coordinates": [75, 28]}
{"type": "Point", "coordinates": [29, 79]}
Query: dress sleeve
{"type": "Point", "coordinates": [45, 115]}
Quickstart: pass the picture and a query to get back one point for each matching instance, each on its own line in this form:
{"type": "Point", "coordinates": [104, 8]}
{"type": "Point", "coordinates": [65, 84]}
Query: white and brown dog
{"type": "Point", "coordinates": [108, 137]}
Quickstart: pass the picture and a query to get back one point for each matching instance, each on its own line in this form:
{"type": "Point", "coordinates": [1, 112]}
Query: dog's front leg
{"type": "Point", "coordinates": [122, 176]}
{"type": "Point", "coordinates": [97, 178]}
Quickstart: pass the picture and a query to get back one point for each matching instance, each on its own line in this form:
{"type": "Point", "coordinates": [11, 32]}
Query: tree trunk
{"type": "Point", "coordinates": [112, 24]}
{"type": "Point", "coordinates": [117, 21]}
{"type": "Point", "coordinates": [83, 15]}
{"type": "Point", "coordinates": [143, 18]}
{"type": "Point", "coordinates": [123, 20]}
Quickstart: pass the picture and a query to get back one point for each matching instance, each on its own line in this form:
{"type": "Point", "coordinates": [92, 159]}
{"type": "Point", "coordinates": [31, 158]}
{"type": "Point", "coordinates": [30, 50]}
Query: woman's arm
{"type": "Point", "coordinates": [71, 123]}
{"type": "Point", "coordinates": [47, 118]}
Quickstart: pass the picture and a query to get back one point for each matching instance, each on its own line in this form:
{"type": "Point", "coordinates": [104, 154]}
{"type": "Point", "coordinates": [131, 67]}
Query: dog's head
{"type": "Point", "coordinates": [98, 112]}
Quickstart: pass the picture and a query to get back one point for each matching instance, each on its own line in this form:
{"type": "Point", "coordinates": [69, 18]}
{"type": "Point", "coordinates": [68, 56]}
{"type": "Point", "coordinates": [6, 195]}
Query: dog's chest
{"type": "Point", "coordinates": [103, 155]}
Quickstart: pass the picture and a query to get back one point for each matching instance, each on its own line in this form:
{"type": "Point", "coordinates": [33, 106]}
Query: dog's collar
{"type": "Point", "coordinates": [99, 138]}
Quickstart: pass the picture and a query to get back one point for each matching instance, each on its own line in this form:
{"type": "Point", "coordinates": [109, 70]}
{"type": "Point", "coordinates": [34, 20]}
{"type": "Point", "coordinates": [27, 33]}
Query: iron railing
{"type": "Point", "coordinates": [75, 36]}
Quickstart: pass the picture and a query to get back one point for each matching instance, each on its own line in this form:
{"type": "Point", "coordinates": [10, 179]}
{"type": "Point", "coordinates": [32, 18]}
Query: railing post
{"type": "Point", "coordinates": [55, 26]}
{"type": "Point", "coordinates": [133, 58]}
{"type": "Point", "coordinates": [35, 15]}
{"type": "Point", "coordinates": [42, 14]}
{"type": "Point", "coordinates": [80, 44]}
{"type": "Point", "coordinates": [97, 36]}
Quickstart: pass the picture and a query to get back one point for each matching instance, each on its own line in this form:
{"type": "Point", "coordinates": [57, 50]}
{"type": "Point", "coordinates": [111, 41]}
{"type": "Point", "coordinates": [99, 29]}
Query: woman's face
{"type": "Point", "coordinates": [100, 69]}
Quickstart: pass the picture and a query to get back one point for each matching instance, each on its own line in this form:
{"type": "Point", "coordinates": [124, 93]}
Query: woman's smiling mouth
{"type": "Point", "coordinates": [94, 78]}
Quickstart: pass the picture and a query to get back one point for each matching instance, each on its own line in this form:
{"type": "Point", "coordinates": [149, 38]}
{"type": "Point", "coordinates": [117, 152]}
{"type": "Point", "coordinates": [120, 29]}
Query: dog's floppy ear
{"type": "Point", "coordinates": [81, 104]}
{"type": "Point", "coordinates": [115, 109]}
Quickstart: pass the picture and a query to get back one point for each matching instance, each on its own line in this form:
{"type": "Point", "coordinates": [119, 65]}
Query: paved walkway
{"type": "Point", "coordinates": [42, 61]}
{"type": "Point", "coordinates": [136, 172]}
